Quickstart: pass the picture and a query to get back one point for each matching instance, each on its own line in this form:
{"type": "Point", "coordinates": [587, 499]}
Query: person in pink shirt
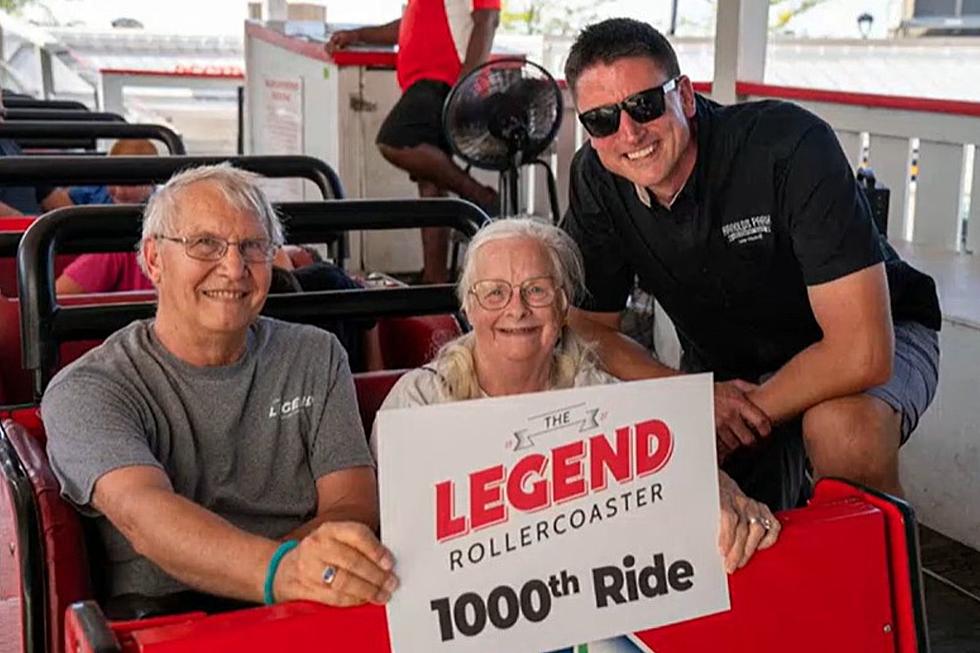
{"type": "Point", "coordinates": [116, 271]}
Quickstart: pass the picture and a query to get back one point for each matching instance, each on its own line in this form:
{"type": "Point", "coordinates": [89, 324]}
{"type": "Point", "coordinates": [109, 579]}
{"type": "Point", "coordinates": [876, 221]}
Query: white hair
{"type": "Point", "coordinates": [239, 187]}
{"type": "Point", "coordinates": [454, 361]}
{"type": "Point", "coordinates": [566, 259]}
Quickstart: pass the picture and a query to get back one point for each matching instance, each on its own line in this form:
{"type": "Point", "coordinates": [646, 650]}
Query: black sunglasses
{"type": "Point", "coordinates": [642, 107]}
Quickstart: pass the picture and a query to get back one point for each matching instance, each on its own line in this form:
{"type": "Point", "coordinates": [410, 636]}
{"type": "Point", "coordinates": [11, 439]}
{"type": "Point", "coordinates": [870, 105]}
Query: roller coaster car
{"type": "Point", "coordinates": [845, 575]}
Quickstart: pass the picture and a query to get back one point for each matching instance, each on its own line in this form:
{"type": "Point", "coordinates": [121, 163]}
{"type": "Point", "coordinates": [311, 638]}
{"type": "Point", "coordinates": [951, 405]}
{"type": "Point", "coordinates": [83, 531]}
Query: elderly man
{"type": "Point", "coordinates": [746, 223]}
{"type": "Point", "coordinates": [221, 452]}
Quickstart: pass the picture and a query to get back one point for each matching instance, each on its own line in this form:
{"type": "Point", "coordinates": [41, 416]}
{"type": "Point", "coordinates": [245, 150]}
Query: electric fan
{"type": "Point", "coordinates": [501, 116]}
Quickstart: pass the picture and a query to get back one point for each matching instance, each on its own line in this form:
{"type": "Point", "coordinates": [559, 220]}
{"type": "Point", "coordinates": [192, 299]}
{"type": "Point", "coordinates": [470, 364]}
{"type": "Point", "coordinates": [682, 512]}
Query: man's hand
{"type": "Point", "coordinates": [746, 525]}
{"type": "Point", "coordinates": [362, 567]}
{"type": "Point", "coordinates": [341, 39]}
{"type": "Point", "coordinates": [738, 421]}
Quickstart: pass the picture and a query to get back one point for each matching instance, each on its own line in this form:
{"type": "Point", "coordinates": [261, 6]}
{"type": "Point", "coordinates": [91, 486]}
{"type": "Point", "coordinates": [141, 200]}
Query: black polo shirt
{"type": "Point", "coordinates": [771, 207]}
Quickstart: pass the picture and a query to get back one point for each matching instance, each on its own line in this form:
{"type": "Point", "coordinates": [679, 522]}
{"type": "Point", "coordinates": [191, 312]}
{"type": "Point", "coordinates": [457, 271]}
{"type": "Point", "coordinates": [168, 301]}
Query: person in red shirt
{"type": "Point", "coordinates": [439, 41]}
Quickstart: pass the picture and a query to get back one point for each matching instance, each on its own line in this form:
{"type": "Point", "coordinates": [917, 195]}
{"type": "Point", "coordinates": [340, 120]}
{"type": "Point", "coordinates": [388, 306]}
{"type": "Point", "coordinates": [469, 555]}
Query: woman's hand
{"type": "Point", "coordinates": [341, 564]}
{"type": "Point", "coordinates": [746, 524]}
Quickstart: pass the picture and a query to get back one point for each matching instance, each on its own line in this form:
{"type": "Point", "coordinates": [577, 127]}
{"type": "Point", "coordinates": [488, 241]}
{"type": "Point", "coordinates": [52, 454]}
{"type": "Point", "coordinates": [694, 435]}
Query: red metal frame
{"type": "Point", "coordinates": [201, 72]}
{"type": "Point", "coordinates": [899, 102]}
{"type": "Point", "coordinates": [839, 580]}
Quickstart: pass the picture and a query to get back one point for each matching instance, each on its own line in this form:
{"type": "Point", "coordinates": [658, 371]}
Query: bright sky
{"type": "Point", "coordinates": [834, 18]}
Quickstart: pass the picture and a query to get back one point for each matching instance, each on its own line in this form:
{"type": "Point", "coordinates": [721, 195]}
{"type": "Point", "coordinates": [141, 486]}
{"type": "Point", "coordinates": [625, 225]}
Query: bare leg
{"type": "Point", "coordinates": [428, 163]}
{"type": "Point", "coordinates": [435, 242]}
{"type": "Point", "coordinates": [855, 438]}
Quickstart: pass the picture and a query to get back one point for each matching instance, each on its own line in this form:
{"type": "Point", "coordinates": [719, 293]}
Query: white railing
{"type": "Point", "coordinates": [899, 137]}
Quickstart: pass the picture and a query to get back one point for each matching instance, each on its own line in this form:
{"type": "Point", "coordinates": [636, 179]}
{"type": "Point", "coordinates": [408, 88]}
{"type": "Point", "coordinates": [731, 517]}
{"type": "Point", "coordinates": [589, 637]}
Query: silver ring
{"type": "Point", "coordinates": [329, 574]}
{"type": "Point", "coordinates": [762, 521]}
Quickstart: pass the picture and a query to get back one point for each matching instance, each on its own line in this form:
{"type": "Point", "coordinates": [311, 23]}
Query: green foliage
{"type": "Point", "coordinates": [551, 17]}
{"type": "Point", "coordinates": [14, 6]}
{"type": "Point", "coordinates": [787, 10]}
{"type": "Point", "coordinates": [781, 15]}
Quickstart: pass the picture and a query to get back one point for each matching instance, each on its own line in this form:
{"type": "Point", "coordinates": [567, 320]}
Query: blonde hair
{"type": "Point", "coordinates": [456, 367]}
{"type": "Point", "coordinates": [454, 362]}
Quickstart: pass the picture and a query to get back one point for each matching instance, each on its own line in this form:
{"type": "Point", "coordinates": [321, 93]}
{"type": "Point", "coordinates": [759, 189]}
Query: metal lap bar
{"type": "Point", "coordinates": [44, 324]}
{"type": "Point", "coordinates": [60, 115]}
{"type": "Point", "coordinates": [21, 102]}
{"type": "Point", "coordinates": [51, 133]}
{"type": "Point", "coordinates": [350, 215]}
{"type": "Point", "coordinates": [80, 170]}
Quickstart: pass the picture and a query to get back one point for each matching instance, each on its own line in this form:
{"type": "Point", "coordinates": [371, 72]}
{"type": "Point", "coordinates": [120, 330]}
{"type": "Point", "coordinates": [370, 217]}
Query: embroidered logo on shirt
{"type": "Point", "coordinates": [290, 407]}
{"type": "Point", "coordinates": [747, 230]}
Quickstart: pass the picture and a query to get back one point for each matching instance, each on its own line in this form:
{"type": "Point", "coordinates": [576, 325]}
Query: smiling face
{"type": "Point", "coordinates": [658, 154]}
{"type": "Point", "coordinates": [208, 300]}
{"type": "Point", "coordinates": [516, 333]}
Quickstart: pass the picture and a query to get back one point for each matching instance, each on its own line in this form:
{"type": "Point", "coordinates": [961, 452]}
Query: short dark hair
{"type": "Point", "coordinates": [617, 38]}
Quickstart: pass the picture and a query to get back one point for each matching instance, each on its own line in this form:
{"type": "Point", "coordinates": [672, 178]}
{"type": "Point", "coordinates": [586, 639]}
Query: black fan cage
{"type": "Point", "coordinates": [502, 109]}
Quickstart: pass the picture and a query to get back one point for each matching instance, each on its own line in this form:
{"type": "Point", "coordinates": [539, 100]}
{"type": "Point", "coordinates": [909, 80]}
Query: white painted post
{"type": "Point", "coordinates": [851, 142]}
{"type": "Point", "coordinates": [741, 31]}
{"type": "Point", "coordinates": [891, 157]}
{"type": "Point", "coordinates": [973, 224]}
{"type": "Point", "coordinates": [112, 94]}
{"type": "Point", "coordinates": [937, 195]}
{"type": "Point", "coordinates": [47, 74]}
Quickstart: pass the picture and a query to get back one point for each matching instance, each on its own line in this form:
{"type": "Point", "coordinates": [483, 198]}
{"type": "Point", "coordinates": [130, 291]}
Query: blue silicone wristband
{"type": "Point", "coordinates": [270, 572]}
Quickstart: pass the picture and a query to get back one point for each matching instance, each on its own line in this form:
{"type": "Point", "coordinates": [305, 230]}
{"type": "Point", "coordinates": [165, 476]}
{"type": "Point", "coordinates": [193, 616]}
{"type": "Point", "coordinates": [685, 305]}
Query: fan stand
{"type": "Point", "coordinates": [509, 187]}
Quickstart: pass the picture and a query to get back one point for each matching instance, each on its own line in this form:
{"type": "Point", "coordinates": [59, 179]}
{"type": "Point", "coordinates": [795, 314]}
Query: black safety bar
{"type": "Point", "coordinates": [61, 115]}
{"type": "Point", "coordinates": [71, 134]}
{"type": "Point", "coordinates": [45, 324]}
{"type": "Point", "coordinates": [305, 222]}
{"type": "Point", "coordinates": [25, 102]}
{"type": "Point", "coordinates": [78, 170]}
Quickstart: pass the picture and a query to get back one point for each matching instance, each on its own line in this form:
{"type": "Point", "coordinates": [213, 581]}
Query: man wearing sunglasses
{"type": "Point", "coordinates": [747, 225]}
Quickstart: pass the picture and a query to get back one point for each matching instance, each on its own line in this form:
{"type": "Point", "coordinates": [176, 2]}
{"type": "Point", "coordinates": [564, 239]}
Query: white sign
{"type": "Point", "coordinates": [533, 522]}
{"type": "Point", "coordinates": [279, 130]}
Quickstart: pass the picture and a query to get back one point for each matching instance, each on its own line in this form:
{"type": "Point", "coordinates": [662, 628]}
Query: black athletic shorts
{"type": "Point", "coordinates": [417, 117]}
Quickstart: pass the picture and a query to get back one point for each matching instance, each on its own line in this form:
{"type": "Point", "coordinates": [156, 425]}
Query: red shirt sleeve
{"type": "Point", "coordinates": [486, 4]}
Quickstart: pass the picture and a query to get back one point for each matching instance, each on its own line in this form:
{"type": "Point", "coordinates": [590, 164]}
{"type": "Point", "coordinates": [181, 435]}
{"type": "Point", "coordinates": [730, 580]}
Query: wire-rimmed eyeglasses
{"type": "Point", "coordinates": [494, 294]}
{"type": "Point", "coordinates": [212, 248]}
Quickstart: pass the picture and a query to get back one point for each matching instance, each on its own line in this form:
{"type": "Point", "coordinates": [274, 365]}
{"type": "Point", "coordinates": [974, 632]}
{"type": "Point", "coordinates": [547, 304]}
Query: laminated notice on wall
{"type": "Point", "coordinates": [279, 130]}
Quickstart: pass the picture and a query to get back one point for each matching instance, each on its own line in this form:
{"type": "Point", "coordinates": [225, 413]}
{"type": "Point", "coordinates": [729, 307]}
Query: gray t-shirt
{"type": "Point", "coordinates": [247, 441]}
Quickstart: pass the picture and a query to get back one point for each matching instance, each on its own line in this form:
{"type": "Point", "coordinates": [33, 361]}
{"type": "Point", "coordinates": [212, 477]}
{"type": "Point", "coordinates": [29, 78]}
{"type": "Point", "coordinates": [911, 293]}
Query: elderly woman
{"type": "Point", "coordinates": [519, 277]}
